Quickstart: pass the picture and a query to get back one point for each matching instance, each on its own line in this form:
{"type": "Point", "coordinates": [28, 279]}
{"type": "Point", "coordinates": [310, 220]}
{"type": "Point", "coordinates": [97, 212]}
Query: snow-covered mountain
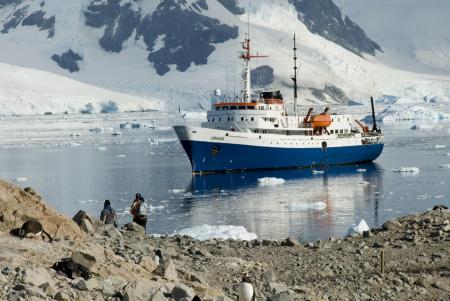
{"type": "Point", "coordinates": [179, 51]}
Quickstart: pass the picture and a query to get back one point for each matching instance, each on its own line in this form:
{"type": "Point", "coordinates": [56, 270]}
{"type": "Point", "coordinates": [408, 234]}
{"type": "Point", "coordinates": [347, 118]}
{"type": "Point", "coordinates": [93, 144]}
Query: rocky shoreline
{"type": "Point", "coordinates": [120, 264]}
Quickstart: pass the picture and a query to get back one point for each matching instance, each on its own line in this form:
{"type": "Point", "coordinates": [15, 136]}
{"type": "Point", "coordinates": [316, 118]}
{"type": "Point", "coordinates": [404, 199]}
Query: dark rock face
{"type": "Point", "coordinates": [68, 60]}
{"type": "Point", "coordinates": [120, 21]}
{"type": "Point", "coordinates": [187, 41]}
{"type": "Point", "coordinates": [15, 19]}
{"type": "Point", "coordinates": [324, 18]}
{"type": "Point", "coordinates": [232, 6]}
{"type": "Point", "coordinates": [4, 3]}
{"type": "Point", "coordinates": [38, 19]}
{"type": "Point", "coordinates": [332, 92]}
{"type": "Point", "coordinates": [262, 76]}
{"type": "Point", "coordinates": [180, 32]}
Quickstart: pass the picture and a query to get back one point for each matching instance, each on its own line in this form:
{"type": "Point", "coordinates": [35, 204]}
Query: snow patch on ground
{"type": "Point", "coordinates": [307, 206]}
{"type": "Point", "coordinates": [206, 232]}
{"type": "Point", "coordinates": [270, 181]}
{"type": "Point", "coordinates": [358, 228]}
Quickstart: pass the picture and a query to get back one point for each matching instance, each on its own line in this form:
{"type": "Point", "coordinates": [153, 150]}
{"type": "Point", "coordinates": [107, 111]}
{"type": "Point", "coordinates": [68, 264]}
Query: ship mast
{"type": "Point", "coordinates": [247, 56]}
{"type": "Point", "coordinates": [294, 78]}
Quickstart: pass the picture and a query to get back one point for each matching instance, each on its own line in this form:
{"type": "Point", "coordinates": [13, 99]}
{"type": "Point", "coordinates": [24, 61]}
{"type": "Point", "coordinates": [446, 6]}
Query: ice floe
{"type": "Point", "coordinates": [121, 156]}
{"type": "Point", "coordinates": [358, 228]}
{"type": "Point", "coordinates": [307, 206]}
{"type": "Point", "coordinates": [361, 170]}
{"type": "Point", "coordinates": [194, 115]}
{"type": "Point", "coordinates": [445, 166]}
{"type": "Point", "coordinates": [21, 179]}
{"type": "Point", "coordinates": [426, 127]}
{"type": "Point", "coordinates": [270, 181]}
{"type": "Point", "coordinates": [439, 146]}
{"type": "Point", "coordinates": [177, 191]}
{"type": "Point", "coordinates": [410, 170]}
{"type": "Point", "coordinates": [317, 172]}
{"type": "Point", "coordinates": [101, 148]}
{"type": "Point", "coordinates": [206, 232]}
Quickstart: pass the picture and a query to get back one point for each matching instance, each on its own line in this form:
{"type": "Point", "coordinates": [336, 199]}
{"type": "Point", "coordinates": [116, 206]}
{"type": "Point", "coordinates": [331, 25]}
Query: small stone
{"type": "Point", "coordinates": [440, 207]}
{"type": "Point", "coordinates": [367, 234]}
{"type": "Point", "coordinates": [443, 285]}
{"type": "Point", "coordinates": [290, 242]}
{"type": "Point", "coordinates": [48, 288]}
{"type": "Point", "coordinates": [391, 226]}
{"type": "Point", "coordinates": [107, 288]}
{"type": "Point", "coordinates": [111, 231]}
{"type": "Point", "coordinates": [138, 291]}
{"type": "Point", "coordinates": [37, 277]}
{"type": "Point", "coordinates": [182, 292]}
{"type": "Point", "coordinates": [61, 296]}
{"type": "Point", "coordinates": [148, 263]}
{"type": "Point", "coordinates": [269, 276]}
{"type": "Point", "coordinates": [277, 288]}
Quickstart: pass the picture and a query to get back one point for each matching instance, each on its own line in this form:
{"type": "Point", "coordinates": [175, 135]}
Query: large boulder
{"type": "Point", "coordinates": [167, 270]}
{"type": "Point", "coordinates": [18, 206]}
{"type": "Point", "coordinates": [86, 260]}
{"type": "Point", "coordinates": [86, 222]}
{"type": "Point", "coordinates": [133, 227]}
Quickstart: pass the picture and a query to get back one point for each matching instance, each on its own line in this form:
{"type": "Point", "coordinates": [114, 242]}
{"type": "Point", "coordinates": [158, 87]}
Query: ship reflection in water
{"type": "Point", "coordinates": [309, 205]}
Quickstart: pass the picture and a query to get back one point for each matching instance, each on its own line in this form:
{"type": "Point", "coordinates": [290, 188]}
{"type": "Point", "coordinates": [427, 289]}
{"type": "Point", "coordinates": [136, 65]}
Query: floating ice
{"type": "Point", "coordinates": [176, 191]}
{"type": "Point", "coordinates": [411, 170]}
{"type": "Point", "coordinates": [438, 146]}
{"type": "Point", "coordinates": [206, 232]}
{"type": "Point", "coordinates": [445, 166]}
{"type": "Point", "coordinates": [101, 148]}
{"type": "Point", "coordinates": [425, 127]}
{"type": "Point", "coordinates": [121, 156]}
{"type": "Point", "coordinates": [270, 181]}
{"type": "Point", "coordinates": [307, 206]}
{"type": "Point", "coordinates": [361, 170]}
{"type": "Point", "coordinates": [21, 179]}
{"type": "Point", "coordinates": [317, 172]}
{"type": "Point", "coordinates": [155, 208]}
{"type": "Point", "coordinates": [358, 228]}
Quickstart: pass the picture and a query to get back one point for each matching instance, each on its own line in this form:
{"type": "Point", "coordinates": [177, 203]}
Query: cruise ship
{"type": "Point", "coordinates": [259, 133]}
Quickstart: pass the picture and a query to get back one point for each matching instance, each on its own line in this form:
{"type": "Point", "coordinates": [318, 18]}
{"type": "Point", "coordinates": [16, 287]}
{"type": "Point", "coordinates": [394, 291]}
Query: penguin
{"type": "Point", "coordinates": [33, 228]}
{"type": "Point", "coordinates": [158, 257]}
{"type": "Point", "coordinates": [246, 289]}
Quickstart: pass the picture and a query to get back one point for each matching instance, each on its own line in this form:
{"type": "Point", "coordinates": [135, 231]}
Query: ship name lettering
{"type": "Point", "coordinates": [217, 138]}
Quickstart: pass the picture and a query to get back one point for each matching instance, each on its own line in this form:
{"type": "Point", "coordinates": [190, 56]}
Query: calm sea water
{"type": "Point", "coordinates": [308, 206]}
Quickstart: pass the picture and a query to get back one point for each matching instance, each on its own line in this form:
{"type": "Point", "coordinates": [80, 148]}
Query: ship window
{"type": "Point", "coordinates": [339, 119]}
{"type": "Point", "coordinates": [232, 118]}
{"type": "Point", "coordinates": [233, 108]}
{"type": "Point", "coordinates": [209, 120]}
{"type": "Point", "coordinates": [242, 118]}
{"type": "Point", "coordinates": [220, 119]}
{"type": "Point", "coordinates": [241, 107]}
{"type": "Point", "coordinates": [251, 108]}
{"type": "Point", "coordinates": [342, 131]}
{"type": "Point", "coordinates": [348, 119]}
{"type": "Point", "coordinates": [252, 119]}
{"type": "Point", "coordinates": [213, 120]}
{"type": "Point", "coordinates": [346, 131]}
{"type": "Point", "coordinates": [332, 119]}
{"type": "Point", "coordinates": [332, 132]}
{"type": "Point", "coordinates": [228, 118]}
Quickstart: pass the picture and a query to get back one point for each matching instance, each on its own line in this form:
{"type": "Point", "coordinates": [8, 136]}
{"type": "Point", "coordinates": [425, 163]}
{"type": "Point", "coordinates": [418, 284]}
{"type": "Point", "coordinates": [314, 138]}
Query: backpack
{"type": "Point", "coordinates": [142, 211]}
{"type": "Point", "coordinates": [109, 217]}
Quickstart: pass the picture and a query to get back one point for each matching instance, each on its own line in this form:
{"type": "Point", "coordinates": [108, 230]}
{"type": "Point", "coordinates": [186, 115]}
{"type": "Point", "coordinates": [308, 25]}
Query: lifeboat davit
{"type": "Point", "coordinates": [321, 121]}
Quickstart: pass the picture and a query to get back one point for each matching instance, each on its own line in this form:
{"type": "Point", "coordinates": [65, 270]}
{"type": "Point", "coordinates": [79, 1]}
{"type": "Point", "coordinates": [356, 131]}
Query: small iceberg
{"type": "Point", "coordinates": [177, 191]}
{"type": "Point", "coordinates": [358, 228]}
{"type": "Point", "coordinates": [206, 232]}
{"type": "Point", "coordinates": [21, 179]}
{"type": "Point", "coordinates": [361, 170]}
{"type": "Point", "coordinates": [307, 206]}
{"type": "Point", "coordinates": [101, 148]}
{"type": "Point", "coordinates": [270, 181]}
{"type": "Point", "coordinates": [445, 166]}
{"type": "Point", "coordinates": [121, 156]}
{"type": "Point", "coordinates": [438, 146]}
{"type": "Point", "coordinates": [410, 170]}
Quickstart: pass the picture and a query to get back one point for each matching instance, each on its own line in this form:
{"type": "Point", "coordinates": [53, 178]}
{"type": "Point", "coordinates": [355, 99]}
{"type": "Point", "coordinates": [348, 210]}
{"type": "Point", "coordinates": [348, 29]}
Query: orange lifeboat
{"type": "Point", "coordinates": [321, 121]}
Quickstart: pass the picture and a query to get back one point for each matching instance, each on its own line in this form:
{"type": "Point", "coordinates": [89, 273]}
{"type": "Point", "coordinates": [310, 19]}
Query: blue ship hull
{"type": "Point", "coordinates": [219, 157]}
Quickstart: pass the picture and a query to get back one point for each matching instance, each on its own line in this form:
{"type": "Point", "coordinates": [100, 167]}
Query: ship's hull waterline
{"type": "Point", "coordinates": [221, 156]}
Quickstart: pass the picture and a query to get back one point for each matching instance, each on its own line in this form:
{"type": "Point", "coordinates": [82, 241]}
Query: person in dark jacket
{"type": "Point", "coordinates": [139, 211]}
{"type": "Point", "coordinates": [108, 214]}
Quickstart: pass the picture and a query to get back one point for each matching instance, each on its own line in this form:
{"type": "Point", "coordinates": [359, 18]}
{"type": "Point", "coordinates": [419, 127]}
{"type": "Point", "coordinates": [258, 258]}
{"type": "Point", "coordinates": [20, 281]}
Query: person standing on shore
{"type": "Point", "coordinates": [139, 211]}
{"type": "Point", "coordinates": [108, 214]}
